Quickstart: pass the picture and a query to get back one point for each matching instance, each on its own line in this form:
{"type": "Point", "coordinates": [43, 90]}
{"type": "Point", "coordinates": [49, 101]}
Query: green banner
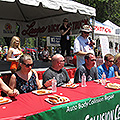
{"type": "Point", "coordinates": [106, 107]}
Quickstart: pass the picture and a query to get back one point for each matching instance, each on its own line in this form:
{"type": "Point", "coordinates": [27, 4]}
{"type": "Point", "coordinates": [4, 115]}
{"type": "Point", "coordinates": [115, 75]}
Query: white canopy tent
{"type": "Point", "coordinates": [102, 29]}
{"type": "Point", "coordinates": [41, 17]}
{"type": "Point", "coordinates": [106, 33]}
{"type": "Point", "coordinates": [29, 10]}
{"type": "Point", "coordinates": [112, 25]}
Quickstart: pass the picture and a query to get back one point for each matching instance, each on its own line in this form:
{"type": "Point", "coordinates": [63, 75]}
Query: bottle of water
{"type": "Point", "coordinates": [83, 84]}
{"type": "Point", "coordinates": [54, 83]}
{"type": "Point", "coordinates": [103, 81]}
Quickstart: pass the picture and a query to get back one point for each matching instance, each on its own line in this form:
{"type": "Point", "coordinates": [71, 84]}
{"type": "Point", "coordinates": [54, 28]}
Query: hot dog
{"type": "Point", "coordinates": [53, 97]}
{"type": "Point", "coordinates": [41, 91]}
{"type": "Point", "coordinates": [64, 99]}
{"type": "Point", "coordinates": [53, 100]}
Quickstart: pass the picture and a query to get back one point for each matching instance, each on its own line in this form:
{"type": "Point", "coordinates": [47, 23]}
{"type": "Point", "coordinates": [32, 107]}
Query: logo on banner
{"type": "Point", "coordinates": [8, 28]}
{"type": "Point", "coordinates": [33, 32]}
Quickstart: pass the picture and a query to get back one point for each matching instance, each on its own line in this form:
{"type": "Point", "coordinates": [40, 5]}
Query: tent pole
{"type": "Point", "coordinates": [93, 26]}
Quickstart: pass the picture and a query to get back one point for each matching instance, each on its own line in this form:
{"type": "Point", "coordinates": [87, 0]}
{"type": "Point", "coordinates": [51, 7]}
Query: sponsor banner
{"type": "Point", "coordinates": [50, 26]}
{"type": "Point", "coordinates": [53, 41]}
{"type": "Point", "coordinates": [106, 107]}
{"type": "Point", "coordinates": [101, 28]}
{"type": "Point", "coordinates": [7, 28]}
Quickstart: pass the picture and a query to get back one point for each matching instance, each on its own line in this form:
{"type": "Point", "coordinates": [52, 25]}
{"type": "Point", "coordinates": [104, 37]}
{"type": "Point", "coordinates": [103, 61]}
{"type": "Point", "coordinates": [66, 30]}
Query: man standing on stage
{"type": "Point", "coordinates": [82, 45]}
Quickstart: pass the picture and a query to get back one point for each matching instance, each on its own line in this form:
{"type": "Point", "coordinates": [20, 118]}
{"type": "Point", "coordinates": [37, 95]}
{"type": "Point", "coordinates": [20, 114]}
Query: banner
{"type": "Point", "coordinates": [7, 28]}
{"type": "Point", "coordinates": [106, 107]}
{"type": "Point", "coordinates": [101, 28]}
{"type": "Point", "coordinates": [50, 26]}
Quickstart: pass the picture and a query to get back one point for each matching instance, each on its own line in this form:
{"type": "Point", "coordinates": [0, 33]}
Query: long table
{"type": "Point", "coordinates": [89, 102]}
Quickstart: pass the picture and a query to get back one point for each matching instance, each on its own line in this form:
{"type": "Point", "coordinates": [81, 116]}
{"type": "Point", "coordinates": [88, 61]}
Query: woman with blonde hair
{"type": "Point", "coordinates": [117, 65]}
{"type": "Point", "coordinates": [14, 53]}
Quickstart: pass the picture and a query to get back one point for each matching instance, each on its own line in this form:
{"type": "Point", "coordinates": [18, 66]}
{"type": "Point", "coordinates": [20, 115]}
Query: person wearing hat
{"type": "Point", "coordinates": [65, 42]}
{"type": "Point", "coordinates": [82, 45]}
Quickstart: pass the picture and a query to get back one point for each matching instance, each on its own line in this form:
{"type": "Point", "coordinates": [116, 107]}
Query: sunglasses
{"type": "Point", "coordinates": [28, 65]}
{"type": "Point", "coordinates": [93, 59]}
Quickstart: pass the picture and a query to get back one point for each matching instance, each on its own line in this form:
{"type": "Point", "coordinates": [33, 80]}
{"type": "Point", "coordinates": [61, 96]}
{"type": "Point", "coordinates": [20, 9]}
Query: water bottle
{"type": "Point", "coordinates": [54, 83]}
{"type": "Point", "coordinates": [103, 81]}
{"type": "Point", "coordinates": [83, 84]}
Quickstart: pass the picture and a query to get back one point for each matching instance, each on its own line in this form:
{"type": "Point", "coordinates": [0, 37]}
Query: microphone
{"type": "Point", "coordinates": [91, 40]}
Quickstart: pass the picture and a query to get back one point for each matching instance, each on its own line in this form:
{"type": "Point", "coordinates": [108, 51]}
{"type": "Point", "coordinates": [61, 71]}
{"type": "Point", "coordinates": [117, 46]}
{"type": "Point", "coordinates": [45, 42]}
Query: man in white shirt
{"type": "Point", "coordinates": [82, 45]}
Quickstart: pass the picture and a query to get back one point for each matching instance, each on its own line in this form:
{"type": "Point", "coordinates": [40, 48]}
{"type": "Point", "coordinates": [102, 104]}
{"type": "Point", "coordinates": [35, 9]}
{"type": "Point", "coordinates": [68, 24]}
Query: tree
{"type": "Point", "coordinates": [105, 9]}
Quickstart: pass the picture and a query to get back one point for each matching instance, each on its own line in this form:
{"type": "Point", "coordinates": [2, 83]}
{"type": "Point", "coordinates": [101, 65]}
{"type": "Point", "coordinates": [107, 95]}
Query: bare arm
{"type": "Point", "coordinates": [81, 53]}
{"type": "Point", "coordinates": [12, 82]}
{"type": "Point", "coordinates": [62, 31]}
{"type": "Point", "coordinates": [37, 80]}
{"type": "Point", "coordinates": [4, 87]}
{"type": "Point", "coordinates": [7, 90]}
{"type": "Point", "coordinates": [116, 74]}
{"type": "Point", "coordinates": [48, 83]}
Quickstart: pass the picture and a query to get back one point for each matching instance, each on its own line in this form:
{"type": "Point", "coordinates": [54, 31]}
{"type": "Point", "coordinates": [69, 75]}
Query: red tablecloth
{"type": "Point", "coordinates": [29, 103]}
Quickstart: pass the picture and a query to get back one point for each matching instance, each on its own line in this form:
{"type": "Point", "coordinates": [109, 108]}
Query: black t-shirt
{"type": "Point", "coordinates": [91, 74]}
{"type": "Point", "coordinates": [61, 76]}
{"type": "Point", "coordinates": [64, 37]}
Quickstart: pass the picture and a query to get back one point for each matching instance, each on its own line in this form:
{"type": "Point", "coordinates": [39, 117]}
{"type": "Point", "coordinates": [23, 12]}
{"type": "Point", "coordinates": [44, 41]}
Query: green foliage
{"type": "Point", "coordinates": [29, 42]}
{"type": "Point", "coordinates": [2, 41]}
{"type": "Point", "coordinates": [105, 9]}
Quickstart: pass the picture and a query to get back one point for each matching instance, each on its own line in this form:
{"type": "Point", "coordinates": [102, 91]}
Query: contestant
{"type": "Point", "coordinates": [26, 79]}
{"type": "Point", "coordinates": [7, 90]}
{"type": "Point", "coordinates": [117, 65]}
{"type": "Point", "coordinates": [107, 67]}
{"type": "Point", "coordinates": [57, 71]}
{"type": "Point", "coordinates": [14, 53]}
{"type": "Point", "coordinates": [88, 68]}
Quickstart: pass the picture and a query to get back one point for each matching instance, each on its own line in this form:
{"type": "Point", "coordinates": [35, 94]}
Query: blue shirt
{"type": "Point", "coordinates": [109, 73]}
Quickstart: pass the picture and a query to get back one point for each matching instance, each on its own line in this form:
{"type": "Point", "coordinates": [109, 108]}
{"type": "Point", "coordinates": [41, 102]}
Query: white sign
{"type": "Point", "coordinates": [104, 45]}
{"type": "Point", "coordinates": [53, 41]}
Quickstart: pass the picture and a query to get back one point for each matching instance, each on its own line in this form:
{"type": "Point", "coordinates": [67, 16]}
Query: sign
{"type": "Point", "coordinates": [7, 28]}
{"type": "Point", "coordinates": [106, 107]}
{"type": "Point", "coordinates": [101, 28]}
{"type": "Point", "coordinates": [104, 45]}
{"type": "Point", "coordinates": [50, 26]}
{"type": "Point", "coordinates": [53, 41]}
